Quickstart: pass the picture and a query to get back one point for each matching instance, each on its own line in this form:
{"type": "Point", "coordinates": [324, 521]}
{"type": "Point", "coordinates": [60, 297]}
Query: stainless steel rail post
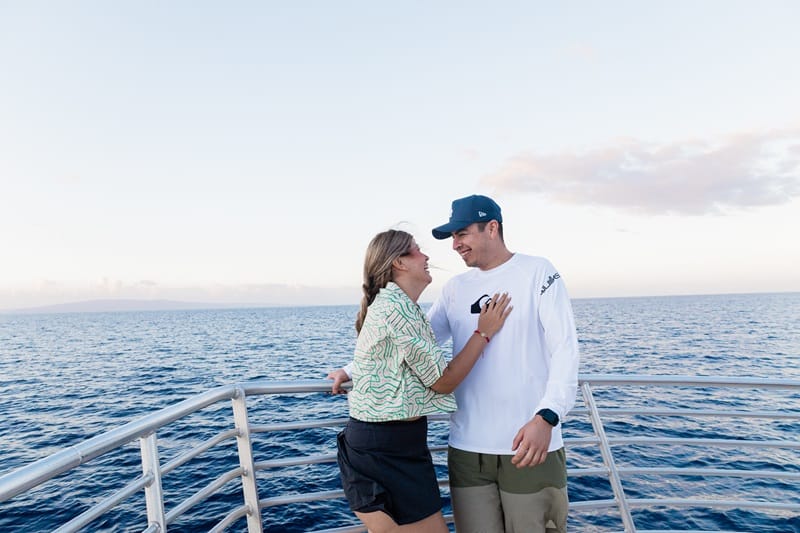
{"type": "Point", "coordinates": [246, 461]}
{"type": "Point", "coordinates": [608, 458]}
{"type": "Point", "coordinates": [153, 492]}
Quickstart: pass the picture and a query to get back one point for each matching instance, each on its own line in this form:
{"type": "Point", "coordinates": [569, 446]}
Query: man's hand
{"type": "Point", "coordinates": [531, 443]}
{"type": "Point", "coordinates": [338, 377]}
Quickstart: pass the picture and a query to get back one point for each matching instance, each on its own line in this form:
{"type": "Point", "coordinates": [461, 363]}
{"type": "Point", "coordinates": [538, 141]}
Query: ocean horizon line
{"type": "Point", "coordinates": [118, 305]}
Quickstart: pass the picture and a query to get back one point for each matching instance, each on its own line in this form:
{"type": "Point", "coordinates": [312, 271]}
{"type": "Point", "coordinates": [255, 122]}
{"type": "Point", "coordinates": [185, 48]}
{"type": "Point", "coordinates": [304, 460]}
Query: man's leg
{"type": "Point", "coordinates": [534, 499]}
{"type": "Point", "coordinates": [474, 493]}
{"type": "Point", "coordinates": [542, 512]}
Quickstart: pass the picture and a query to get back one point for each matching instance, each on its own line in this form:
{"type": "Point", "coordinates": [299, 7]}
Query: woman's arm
{"type": "Point", "coordinates": [491, 319]}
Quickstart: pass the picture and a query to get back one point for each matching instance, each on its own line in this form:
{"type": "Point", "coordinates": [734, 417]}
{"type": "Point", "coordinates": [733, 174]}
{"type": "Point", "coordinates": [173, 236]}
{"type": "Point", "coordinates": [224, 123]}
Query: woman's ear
{"type": "Point", "coordinates": [398, 264]}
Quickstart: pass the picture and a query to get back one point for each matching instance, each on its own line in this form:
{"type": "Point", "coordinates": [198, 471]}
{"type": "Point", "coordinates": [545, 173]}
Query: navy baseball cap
{"type": "Point", "coordinates": [466, 211]}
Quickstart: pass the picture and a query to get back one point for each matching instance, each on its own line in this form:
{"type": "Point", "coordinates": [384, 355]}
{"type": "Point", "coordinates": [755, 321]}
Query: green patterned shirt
{"type": "Point", "coordinates": [396, 361]}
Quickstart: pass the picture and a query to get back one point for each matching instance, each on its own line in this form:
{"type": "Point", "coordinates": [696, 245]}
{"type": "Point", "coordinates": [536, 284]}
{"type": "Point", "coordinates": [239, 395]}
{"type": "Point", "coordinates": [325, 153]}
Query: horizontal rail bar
{"type": "Point", "coordinates": [581, 441]}
{"type": "Point", "coordinates": [688, 381]}
{"type": "Point", "coordinates": [106, 504]}
{"type": "Point", "coordinates": [230, 518]}
{"type": "Point", "coordinates": [596, 471]}
{"type": "Point", "coordinates": [196, 451]}
{"type": "Point", "coordinates": [203, 493]}
{"type": "Point", "coordinates": [314, 459]}
{"type": "Point", "coordinates": [300, 498]}
{"type": "Point", "coordinates": [715, 472]}
{"type": "Point", "coordinates": [684, 531]}
{"type": "Point", "coordinates": [293, 426]}
{"type": "Point", "coordinates": [749, 443]}
{"type": "Point", "coordinates": [592, 504]}
{"type": "Point", "coordinates": [620, 411]}
{"type": "Point", "coordinates": [723, 504]}
{"type": "Point", "coordinates": [345, 529]}
{"type": "Point", "coordinates": [295, 461]}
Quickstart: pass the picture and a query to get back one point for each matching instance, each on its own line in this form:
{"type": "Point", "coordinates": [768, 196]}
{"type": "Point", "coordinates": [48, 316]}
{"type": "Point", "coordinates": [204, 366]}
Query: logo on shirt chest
{"type": "Point", "coordinates": [479, 304]}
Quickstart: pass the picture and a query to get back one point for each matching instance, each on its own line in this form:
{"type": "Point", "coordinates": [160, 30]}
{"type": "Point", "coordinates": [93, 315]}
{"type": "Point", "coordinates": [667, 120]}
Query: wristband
{"type": "Point", "coordinates": [549, 416]}
{"type": "Point", "coordinates": [482, 334]}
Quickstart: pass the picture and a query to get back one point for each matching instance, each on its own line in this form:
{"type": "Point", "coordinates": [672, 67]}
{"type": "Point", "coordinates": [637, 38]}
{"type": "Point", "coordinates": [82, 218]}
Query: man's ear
{"type": "Point", "coordinates": [493, 228]}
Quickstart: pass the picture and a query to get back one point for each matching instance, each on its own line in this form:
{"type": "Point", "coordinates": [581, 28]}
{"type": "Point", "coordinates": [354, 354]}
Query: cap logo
{"type": "Point", "coordinates": [481, 214]}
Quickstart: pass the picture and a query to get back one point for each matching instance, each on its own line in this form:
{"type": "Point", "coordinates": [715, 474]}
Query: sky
{"type": "Point", "coordinates": [246, 152]}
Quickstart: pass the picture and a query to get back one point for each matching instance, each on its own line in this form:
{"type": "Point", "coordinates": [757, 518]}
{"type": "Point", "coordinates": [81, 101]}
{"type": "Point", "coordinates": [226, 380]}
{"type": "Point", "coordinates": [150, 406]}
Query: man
{"type": "Point", "coordinates": [506, 456]}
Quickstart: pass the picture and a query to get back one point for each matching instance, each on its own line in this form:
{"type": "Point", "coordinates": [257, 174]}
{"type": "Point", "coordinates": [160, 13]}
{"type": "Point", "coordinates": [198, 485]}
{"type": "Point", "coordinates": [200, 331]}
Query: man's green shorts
{"type": "Point", "coordinates": [490, 494]}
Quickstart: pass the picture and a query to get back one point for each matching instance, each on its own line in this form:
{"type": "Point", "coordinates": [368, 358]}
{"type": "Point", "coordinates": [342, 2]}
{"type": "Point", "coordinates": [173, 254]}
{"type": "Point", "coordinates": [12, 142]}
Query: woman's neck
{"type": "Point", "coordinates": [412, 289]}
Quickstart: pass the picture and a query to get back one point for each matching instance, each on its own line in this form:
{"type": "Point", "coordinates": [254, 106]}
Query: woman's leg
{"type": "Point", "coordinates": [380, 522]}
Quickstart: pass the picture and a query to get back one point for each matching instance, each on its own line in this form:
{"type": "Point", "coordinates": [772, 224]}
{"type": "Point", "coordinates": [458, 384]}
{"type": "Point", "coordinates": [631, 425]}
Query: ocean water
{"type": "Point", "coordinates": [67, 377]}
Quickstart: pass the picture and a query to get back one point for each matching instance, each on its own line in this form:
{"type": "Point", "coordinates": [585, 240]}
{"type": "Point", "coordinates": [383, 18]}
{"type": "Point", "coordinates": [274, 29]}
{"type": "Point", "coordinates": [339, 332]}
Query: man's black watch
{"type": "Point", "coordinates": [549, 416]}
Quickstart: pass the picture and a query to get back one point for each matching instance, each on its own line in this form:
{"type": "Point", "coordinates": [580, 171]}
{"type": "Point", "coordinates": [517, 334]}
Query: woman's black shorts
{"type": "Point", "coordinates": [387, 466]}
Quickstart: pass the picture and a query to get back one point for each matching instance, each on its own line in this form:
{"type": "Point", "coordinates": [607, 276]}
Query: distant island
{"type": "Point", "coordinates": [249, 297]}
{"type": "Point", "coordinates": [234, 298]}
{"type": "Point", "coordinates": [113, 305]}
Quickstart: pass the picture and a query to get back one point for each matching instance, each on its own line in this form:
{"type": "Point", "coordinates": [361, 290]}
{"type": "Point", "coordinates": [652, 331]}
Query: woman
{"type": "Point", "coordinates": [399, 376]}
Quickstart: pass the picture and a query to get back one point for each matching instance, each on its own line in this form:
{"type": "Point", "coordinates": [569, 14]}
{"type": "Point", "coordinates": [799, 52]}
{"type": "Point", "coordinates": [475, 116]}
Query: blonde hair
{"type": "Point", "coordinates": [383, 249]}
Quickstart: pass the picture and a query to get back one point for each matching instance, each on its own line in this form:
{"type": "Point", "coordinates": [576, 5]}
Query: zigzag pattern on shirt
{"type": "Point", "coordinates": [396, 353]}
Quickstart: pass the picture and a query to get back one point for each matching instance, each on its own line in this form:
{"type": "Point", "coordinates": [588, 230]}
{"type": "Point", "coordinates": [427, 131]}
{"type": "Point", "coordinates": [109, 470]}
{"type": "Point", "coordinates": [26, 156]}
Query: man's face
{"type": "Point", "coordinates": [471, 244]}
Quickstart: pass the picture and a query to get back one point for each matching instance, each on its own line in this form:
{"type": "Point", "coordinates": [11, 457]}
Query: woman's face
{"type": "Point", "coordinates": [417, 263]}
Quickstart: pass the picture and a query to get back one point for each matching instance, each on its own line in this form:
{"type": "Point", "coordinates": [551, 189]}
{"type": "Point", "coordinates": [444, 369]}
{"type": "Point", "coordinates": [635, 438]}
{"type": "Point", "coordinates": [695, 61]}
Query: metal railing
{"type": "Point", "coordinates": [594, 389]}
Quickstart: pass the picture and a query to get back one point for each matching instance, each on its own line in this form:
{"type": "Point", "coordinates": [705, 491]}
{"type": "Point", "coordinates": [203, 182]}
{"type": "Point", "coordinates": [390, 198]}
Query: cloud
{"type": "Point", "coordinates": [689, 177]}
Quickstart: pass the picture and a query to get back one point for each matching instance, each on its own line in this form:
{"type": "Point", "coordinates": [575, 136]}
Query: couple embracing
{"type": "Point", "coordinates": [510, 381]}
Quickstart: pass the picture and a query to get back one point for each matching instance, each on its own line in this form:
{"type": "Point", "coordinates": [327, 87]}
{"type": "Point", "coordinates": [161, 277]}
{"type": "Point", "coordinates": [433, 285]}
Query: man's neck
{"type": "Point", "coordinates": [497, 259]}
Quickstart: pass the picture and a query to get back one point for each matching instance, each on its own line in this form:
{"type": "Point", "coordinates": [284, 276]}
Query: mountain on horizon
{"type": "Point", "coordinates": [112, 305]}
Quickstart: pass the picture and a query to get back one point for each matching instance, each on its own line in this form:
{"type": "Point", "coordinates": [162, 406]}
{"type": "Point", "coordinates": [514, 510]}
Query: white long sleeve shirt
{"type": "Point", "coordinates": [530, 364]}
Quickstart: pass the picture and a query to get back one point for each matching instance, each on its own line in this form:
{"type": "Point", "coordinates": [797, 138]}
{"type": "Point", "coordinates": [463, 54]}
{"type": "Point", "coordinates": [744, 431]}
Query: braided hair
{"type": "Point", "coordinates": [383, 249]}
